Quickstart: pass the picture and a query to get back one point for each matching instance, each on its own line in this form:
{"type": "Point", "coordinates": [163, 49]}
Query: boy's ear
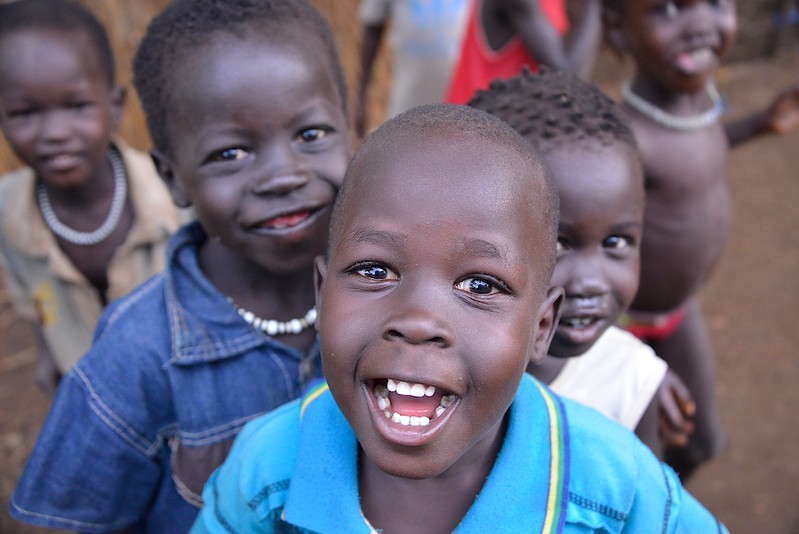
{"type": "Point", "coordinates": [547, 321]}
{"type": "Point", "coordinates": [119, 96]}
{"type": "Point", "coordinates": [319, 276]}
{"type": "Point", "coordinates": [164, 168]}
{"type": "Point", "coordinates": [614, 33]}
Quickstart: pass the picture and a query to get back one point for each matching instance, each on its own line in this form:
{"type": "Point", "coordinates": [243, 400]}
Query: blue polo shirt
{"type": "Point", "coordinates": [562, 468]}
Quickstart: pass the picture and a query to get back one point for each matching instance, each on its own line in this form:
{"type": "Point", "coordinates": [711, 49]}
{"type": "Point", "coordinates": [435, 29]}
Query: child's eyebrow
{"type": "Point", "coordinates": [377, 237]}
{"type": "Point", "coordinates": [482, 249]}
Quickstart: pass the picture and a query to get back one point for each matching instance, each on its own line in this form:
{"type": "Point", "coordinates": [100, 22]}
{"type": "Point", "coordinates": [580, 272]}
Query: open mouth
{"type": "Point", "coordinates": [699, 60]}
{"type": "Point", "coordinates": [579, 322]}
{"type": "Point", "coordinates": [411, 404]}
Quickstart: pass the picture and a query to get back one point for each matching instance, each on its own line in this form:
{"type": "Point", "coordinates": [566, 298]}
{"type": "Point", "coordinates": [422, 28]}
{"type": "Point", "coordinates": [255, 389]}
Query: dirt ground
{"type": "Point", "coordinates": [751, 305]}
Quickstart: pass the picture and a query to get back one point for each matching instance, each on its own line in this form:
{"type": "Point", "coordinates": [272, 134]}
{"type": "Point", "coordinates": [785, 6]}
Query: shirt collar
{"type": "Point", "coordinates": [323, 496]}
{"type": "Point", "coordinates": [203, 325]}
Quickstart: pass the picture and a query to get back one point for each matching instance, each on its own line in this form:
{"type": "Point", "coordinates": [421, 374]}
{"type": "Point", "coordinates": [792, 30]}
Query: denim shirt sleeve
{"type": "Point", "coordinates": [99, 458]}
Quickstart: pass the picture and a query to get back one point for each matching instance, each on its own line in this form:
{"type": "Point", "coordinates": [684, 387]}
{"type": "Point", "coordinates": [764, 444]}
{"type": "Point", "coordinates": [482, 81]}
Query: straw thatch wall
{"type": "Point", "coordinates": [126, 21]}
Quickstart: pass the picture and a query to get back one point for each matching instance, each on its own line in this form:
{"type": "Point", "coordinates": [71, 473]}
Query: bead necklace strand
{"type": "Point", "coordinates": [86, 239]}
{"type": "Point", "coordinates": [273, 327]}
{"type": "Point", "coordinates": [675, 122]}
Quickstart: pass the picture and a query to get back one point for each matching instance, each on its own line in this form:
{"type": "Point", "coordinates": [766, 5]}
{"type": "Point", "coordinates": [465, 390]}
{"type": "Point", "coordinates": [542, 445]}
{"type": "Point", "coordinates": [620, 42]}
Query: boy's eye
{"type": "Point", "coordinates": [228, 154]}
{"type": "Point", "coordinates": [79, 105]}
{"type": "Point", "coordinates": [481, 285]}
{"type": "Point", "coordinates": [376, 272]}
{"type": "Point", "coordinates": [617, 242]}
{"type": "Point", "coordinates": [309, 135]}
{"type": "Point", "coordinates": [561, 246]}
{"type": "Point", "coordinates": [21, 113]}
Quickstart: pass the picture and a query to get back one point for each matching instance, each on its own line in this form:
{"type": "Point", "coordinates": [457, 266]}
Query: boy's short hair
{"type": "Point", "coordinates": [465, 122]}
{"type": "Point", "coordinates": [555, 107]}
{"type": "Point", "coordinates": [186, 24]}
{"type": "Point", "coordinates": [61, 15]}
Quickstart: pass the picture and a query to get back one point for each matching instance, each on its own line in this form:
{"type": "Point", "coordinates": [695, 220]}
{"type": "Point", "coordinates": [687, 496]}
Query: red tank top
{"type": "Point", "coordinates": [478, 65]}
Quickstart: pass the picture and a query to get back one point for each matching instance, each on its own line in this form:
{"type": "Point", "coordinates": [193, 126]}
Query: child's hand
{"type": "Point", "coordinates": [677, 410]}
{"type": "Point", "coordinates": [783, 114]}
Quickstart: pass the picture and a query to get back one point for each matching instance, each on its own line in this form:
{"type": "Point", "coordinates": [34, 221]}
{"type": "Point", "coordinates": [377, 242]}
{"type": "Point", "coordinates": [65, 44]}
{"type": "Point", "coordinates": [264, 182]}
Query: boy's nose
{"type": "Point", "coordinates": [417, 318]}
{"type": "Point", "coordinates": [701, 20]}
{"type": "Point", "coordinates": [280, 184]}
{"type": "Point", "coordinates": [586, 279]}
{"type": "Point", "coordinates": [54, 126]}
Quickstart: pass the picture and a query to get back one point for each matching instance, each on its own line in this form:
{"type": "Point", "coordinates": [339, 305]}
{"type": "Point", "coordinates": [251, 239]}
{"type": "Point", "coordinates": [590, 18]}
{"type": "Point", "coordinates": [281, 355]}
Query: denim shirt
{"type": "Point", "coordinates": [563, 467]}
{"type": "Point", "coordinates": [152, 409]}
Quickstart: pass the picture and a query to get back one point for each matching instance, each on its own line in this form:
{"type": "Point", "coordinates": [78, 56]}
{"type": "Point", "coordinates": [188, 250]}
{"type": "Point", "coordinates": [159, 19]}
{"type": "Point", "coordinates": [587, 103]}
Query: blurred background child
{"type": "Point", "coordinates": [258, 148]}
{"type": "Point", "coordinates": [674, 110]}
{"type": "Point", "coordinates": [502, 36]}
{"type": "Point", "coordinates": [592, 156]}
{"type": "Point", "coordinates": [425, 40]}
{"type": "Point", "coordinates": [88, 219]}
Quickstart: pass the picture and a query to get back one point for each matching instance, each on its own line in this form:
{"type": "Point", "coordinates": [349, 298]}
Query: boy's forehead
{"type": "Point", "coordinates": [444, 174]}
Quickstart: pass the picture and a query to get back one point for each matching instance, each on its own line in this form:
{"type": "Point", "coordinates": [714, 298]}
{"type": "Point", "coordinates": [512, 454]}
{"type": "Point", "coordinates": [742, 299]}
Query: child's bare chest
{"type": "Point", "coordinates": [94, 261]}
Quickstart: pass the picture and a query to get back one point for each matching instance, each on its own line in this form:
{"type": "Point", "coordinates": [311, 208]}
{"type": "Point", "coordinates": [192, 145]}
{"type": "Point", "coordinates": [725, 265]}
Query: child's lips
{"type": "Point", "coordinates": [696, 61]}
{"type": "Point", "coordinates": [288, 220]}
{"type": "Point", "coordinates": [61, 162]}
{"type": "Point", "coordinates": [581, 329]}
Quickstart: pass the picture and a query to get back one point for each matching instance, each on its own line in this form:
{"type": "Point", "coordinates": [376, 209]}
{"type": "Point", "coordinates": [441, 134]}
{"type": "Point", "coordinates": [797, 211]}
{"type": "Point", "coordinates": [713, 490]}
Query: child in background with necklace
{"type": "Point", "coordinates": [674, 111]}
{"type": "Point", "coordinates": [88, 219]}
{"type": "Point", "coordinates": [258, 148]}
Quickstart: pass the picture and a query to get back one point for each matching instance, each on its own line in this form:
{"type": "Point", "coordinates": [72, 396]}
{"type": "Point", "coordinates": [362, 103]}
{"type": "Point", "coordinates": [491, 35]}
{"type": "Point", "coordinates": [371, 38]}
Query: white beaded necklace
{"type": "Point", "coordinates": [86, 239]}
{"type": "Point", "coordinates": [273, 327]}
{"type": "Point", "coordinates": [675, 122]}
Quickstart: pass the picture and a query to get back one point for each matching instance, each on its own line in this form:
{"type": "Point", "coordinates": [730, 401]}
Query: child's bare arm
{"type": "Point", "coordinates": [648, 430]}
{"type": "Point", "coordinates": [782, 116]}
{"type": "Point", "coordinates": [546, 44]}
{"type": "Point", "coordinates": [677, 410]}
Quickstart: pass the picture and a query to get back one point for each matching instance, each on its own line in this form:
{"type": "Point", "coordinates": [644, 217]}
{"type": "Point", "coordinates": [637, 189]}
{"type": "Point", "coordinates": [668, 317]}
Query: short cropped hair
{"type": "Point", "coordinates": [429, 120]}
{"type": "Point", "coordinates": [186, 24]}
{"type": "Point", "coordinates": [552, 108]}
{"type": "Point", "coordinates": [61, 15]}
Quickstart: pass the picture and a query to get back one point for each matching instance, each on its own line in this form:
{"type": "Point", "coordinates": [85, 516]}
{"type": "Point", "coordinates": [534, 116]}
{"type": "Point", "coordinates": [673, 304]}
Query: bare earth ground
{"type": "Point", "coordinates": [751, 305]}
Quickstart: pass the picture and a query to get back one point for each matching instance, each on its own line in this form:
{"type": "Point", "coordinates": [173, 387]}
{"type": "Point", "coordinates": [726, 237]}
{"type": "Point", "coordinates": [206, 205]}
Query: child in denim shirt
{"type": "Point", "coordinates": [245, 102]}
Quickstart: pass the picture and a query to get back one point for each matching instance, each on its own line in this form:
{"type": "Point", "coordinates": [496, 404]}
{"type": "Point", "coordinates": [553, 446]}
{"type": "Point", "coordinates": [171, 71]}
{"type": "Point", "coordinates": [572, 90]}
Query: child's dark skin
{"type": "Point", "coordinates": [463, 312]}
{"type": "Point", "coordinates": [57, 111]}
{"type": "Point", "coordinates": [261, 177]}
{"type": "Point", "coordinates": [599, 235]}
{"type": "Point", "coordinates": [504, 19]}
{"type": "Point", "coordinates": [676, 47]}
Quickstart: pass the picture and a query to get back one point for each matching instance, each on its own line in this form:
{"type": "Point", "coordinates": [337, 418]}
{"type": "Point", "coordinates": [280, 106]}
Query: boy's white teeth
{"type": "Point", "coordinates": [414, 390]}
{"type": "Point", "coordinates": [397, 386]}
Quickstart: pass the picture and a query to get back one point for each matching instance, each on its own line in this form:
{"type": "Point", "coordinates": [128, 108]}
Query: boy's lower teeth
{"type": "Point", "coordinates": [381, 394]}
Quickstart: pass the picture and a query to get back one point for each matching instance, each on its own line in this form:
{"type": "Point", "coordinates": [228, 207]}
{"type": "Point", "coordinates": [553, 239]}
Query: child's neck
{"type": "Point", "coordinates": [677, 102]}
{"type": "Point", "coordinates": [251, 286]}
{"type": "Point", "coordinates": [549, 368]}
{"type": "Point", "coordinates": [402, 505]}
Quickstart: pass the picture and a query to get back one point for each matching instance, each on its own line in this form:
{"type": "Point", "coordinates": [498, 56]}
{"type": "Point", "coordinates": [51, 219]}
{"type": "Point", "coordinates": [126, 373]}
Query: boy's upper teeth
{"type": "Point", "coordinates": [414, 390]}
